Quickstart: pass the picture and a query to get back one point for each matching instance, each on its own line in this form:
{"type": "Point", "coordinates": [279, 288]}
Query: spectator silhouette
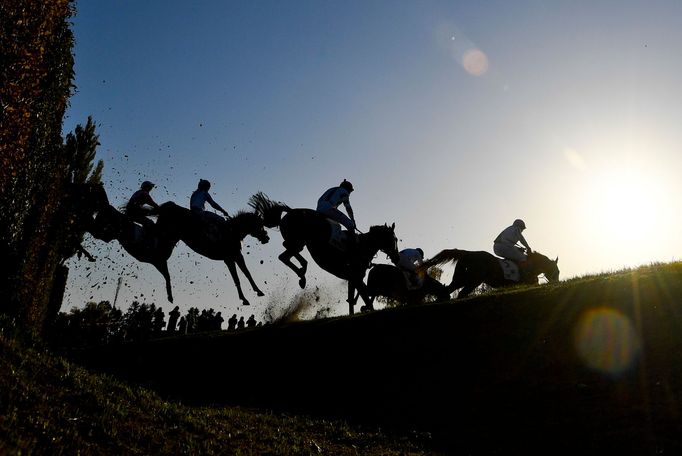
{"type": "Point", "coordinates": [251, 322]}
{"type": "Point", "coordinates": [159, 321]}
{"type": "Point", "coordinates": [240, 323]}
{"type": "Point", "coordinates": [182, 326]}
{"type": "Point", "coordinates": [173, 316]}
{"type": "Point", "coordinates": [218, 321]}
{"type": "Point", "coordinates": [232, 323]}
{"type": "Point", "coordinates": [192, 320]}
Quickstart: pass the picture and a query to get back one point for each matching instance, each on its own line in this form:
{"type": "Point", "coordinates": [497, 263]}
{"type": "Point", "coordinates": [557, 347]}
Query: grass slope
{"type": "Point", "coordinates": [591, 365]}
{"type": "Point", "coordinates": [51, 406]}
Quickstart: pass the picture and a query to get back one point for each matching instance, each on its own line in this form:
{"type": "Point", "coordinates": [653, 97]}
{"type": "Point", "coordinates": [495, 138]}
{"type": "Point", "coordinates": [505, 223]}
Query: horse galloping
{"type": "Point", "coordinates": [474, 268]}
{"type": "Point", "coordinates": [390, 281]}
{"type": "Point", "coordinates": [215, 239]}
{"type": "Point", "coordinates": [301, 228]}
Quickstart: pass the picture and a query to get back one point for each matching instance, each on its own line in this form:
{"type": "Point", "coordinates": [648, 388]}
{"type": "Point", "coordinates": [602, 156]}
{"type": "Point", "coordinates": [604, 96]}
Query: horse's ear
{"type": "Point", "coordinates": [393, 226]}
{"type": "Point", "coordinates": [557, 260]}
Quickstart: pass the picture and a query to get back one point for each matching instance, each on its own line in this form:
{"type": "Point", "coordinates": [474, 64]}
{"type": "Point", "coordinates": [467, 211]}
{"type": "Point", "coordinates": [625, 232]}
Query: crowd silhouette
{"type": "Point", "coordinates": [101, 323]}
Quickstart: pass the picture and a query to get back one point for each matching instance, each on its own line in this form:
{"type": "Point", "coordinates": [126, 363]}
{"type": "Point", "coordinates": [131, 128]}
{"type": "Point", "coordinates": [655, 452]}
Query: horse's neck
{"type": "Point", "coordinates": [239, 230]}
{"type": "Point", "coordinates": [366, 249]}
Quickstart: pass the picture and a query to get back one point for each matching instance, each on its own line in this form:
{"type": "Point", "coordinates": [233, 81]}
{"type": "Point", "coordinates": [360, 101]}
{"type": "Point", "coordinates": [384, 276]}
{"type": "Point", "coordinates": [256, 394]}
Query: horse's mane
{"type": "Point", "coordinates": [269, 210]}
{"type": "Point", "coordinates": [261, 203]}
{"type": "Point", "coordinates": [242, 213]}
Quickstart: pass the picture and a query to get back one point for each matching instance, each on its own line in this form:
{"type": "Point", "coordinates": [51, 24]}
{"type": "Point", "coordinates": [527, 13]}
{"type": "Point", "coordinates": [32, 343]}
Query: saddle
{"type": "Point", "coordinates": [412, 281]}
{"type": "Point", "coordinates": [510, 270]}
{"type": "Point", "coordinates": [338, 237]}
{"type": "Point", "coordinates": [210, 225]}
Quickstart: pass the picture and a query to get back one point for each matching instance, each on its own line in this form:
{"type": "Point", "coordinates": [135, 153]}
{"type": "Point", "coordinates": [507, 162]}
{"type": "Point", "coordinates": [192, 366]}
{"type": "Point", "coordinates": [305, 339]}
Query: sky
{"type": "Point", "coordinates": [450, 118]}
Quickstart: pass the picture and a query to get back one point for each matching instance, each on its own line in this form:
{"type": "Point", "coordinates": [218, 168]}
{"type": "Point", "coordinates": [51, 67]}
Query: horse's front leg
{"type": "Point", "coordinates": [364, 294]}
{"type": "Point", "coordinates": [81, 251]}
{"type": "Point", "coordinates": [242, 265]}
{"type": "Point", "coordinates": [352, 298]}
{"type": "Point", "coordinates": [163, 269]}
{"type": "Point", "coordinates": [235, 278]}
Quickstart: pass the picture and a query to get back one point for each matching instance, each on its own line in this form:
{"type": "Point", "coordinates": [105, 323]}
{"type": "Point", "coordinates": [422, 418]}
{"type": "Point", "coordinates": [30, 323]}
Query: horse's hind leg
{"type": "Point", "coordinates": [285, 257]}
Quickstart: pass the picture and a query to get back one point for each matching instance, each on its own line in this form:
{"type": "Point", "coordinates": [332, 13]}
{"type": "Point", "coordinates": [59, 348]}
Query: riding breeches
{"type": "Point", "coordinates": [338, 216]}
{"type": "Point", "coordinates": [509, 252]}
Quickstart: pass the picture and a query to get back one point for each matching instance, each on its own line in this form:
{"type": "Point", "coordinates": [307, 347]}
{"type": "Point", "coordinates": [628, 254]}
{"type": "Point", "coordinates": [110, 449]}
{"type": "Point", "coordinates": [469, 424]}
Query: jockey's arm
{"type": "Point", "coordinates": [349, 209]}
{"type": "Point", "coordinates": [215, 205]}
{"type": "Point", "coordinates": [524, 242]}
{"type": "Point", "coordinates": [151, 202]}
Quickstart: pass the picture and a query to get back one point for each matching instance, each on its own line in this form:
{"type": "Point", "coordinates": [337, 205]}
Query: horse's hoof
{"type": "Point", "coordinates": [366, 309]}
{"type": "Point", "coordinates": [301, 282]}
{"type": "Point", "coordinates": [245, 302]}
{"type": "Point", "coordinates": [260, 293]}
{"type": "Point", "coordinates": [170, 298]}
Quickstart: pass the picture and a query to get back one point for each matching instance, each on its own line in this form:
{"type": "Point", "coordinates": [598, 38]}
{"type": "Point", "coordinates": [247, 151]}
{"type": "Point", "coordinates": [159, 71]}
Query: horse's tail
{"type": "Point", "coordinates": [270, 211]}
{"type": "Point", "coordinates": [442, 257]}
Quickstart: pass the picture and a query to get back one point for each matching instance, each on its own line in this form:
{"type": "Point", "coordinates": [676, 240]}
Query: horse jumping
{"type": "Point", "coordinates": [302, 228]}
{"type": "Point", "coordinates": [217, 240]}
{"type": "Point", "coordinates": [143, 244]}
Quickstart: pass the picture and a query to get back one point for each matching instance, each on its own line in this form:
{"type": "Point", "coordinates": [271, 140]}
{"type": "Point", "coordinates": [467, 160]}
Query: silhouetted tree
{"type": "Point", "coordinates": [95, 324]}
{"type": "Point", "coordinates": [36, 167]}
{"type": "Point", "coordinates": [138, 321]}
{"type": "Point", "coordinates": [218, 321]}
{"type": "Point", "coordinates": [158, 321]}
{"type": "Point", "coordinates": [182, 326]}
{"type": "Point", "coordinates": [192, 320]}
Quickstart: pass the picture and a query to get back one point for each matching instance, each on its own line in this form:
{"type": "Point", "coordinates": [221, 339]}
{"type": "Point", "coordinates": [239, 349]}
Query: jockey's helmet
{"type": "Point", "coordinates": [347, 185]}
{"type": "Point", "coordinates": [146, 185]}
{"type": "Point", "coordinates": [421, 252]}
{"type": "Point", "coordinates": [520, 223]}
{"type": "Point", "coordinates": [204, 185]}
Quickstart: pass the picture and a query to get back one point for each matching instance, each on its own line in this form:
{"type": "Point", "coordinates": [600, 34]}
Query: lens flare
{"type": "Point", "coordinates": [607, 342]}
{"type": "Point", "coordinates": [475, 62]}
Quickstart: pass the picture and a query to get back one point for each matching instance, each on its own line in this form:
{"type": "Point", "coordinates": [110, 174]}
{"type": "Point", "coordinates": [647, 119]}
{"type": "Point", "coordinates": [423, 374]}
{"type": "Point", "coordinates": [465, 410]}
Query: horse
{"type": "Point", "coordinates": [308, 228]}
{"type": "Point", "coordinates": [215, 239]}
{"type": "Point", "coordinates": [144, 244]}
{"type": "Point", "coordinates": [475, 268]}
{"type": "Point", "coordinates": [390, 281]}
{"type": "Point", "coordinates": [79, 207]}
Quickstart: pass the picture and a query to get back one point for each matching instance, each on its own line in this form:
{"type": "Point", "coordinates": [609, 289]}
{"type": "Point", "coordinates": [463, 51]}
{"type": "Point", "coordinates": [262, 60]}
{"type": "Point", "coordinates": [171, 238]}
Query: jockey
{"type": "Point", "coordinates": [332, 198]}
{"type": "Point", "coordinates": [505, 243]}
{"type": "Point", "coordinates": [409, 260]}
{"type": "Point", "coordinates": [138, 205]}
{"type": "Point", "coordinates": [200, 197]}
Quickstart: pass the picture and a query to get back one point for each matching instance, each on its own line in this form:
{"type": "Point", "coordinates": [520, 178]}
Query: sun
{"type": "Point", "coordinates": [624, 205]}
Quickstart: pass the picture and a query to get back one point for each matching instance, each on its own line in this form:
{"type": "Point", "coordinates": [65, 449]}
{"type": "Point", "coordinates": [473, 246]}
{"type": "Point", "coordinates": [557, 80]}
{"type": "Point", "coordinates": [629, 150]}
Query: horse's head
{"type": "Point", "coordinates": [546, 266]}
{"type": "Point", "coordinates": [107, 224]}
{"type": "Point", "coordinates": [251, 224]}
{"type": "Point", "coordinates": [384, 239]}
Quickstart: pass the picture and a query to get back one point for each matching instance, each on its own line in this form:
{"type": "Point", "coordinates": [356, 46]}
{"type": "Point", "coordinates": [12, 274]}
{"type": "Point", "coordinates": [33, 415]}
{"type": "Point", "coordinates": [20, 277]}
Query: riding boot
{"type": "Point", "coordinates": [523, 265]}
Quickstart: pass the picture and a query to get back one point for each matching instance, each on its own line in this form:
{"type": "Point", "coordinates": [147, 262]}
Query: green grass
{"type": "Point", "coordinates": [51, 406]}
{"type": "Point", "coordinates": [495, 373]}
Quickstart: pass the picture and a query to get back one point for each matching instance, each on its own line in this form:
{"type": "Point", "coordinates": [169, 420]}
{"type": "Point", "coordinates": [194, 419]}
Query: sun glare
{"type": "Point", "coordinates": [624, 205]}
